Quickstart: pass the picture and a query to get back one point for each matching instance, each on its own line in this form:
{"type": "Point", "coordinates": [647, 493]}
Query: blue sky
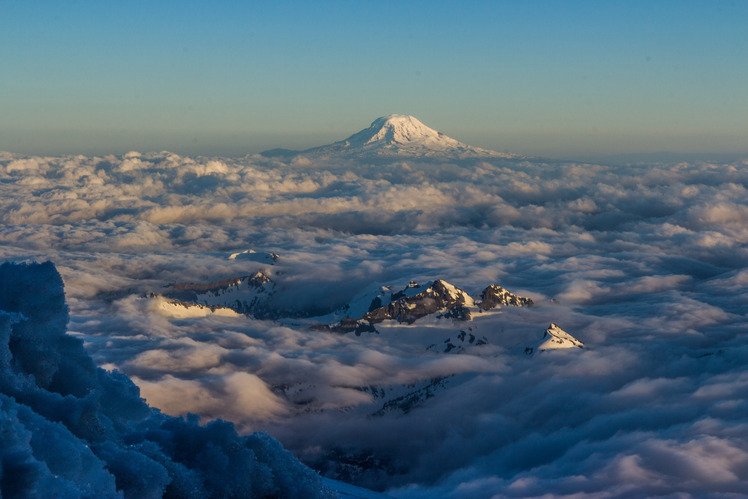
{"type": "Point", "coordinates": [230, 78]}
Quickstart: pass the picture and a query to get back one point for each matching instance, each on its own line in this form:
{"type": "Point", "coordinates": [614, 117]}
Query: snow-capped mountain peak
{"type": "Point", "coordinates": [403, 135]}
{"type": "Point", "coordinates": [401, 130]}
{"type": "Point", "coordinates": [397, 135]}
{"type": "Point", "coordinates": [555, 338]}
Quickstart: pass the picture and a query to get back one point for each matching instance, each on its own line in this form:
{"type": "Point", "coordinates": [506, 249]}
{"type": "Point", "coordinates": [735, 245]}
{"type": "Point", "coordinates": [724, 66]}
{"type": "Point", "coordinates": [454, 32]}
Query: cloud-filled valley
{"type": "Point", "coordinates": [646, 264]}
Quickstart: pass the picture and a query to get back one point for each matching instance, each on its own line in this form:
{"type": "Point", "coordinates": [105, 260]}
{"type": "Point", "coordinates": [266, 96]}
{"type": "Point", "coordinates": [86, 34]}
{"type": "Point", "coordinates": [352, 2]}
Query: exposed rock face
{"type": "Point", "coordinates": [461, 340]}
{"type": "Point", "coordinates": [440, 296]}
{"type": "Point", "coordinates": [413, 398]}
{"type": "Point", "coordinates": [356, 326]}
{"type": "Point", "coordinates": [494, 296]}
{"type": "Point", "coordinates": [256, 280]}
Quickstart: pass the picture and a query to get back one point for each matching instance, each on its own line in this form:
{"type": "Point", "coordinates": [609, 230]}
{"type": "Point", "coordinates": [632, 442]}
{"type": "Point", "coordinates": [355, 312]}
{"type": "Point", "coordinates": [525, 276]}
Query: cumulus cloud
{"type": "Point", "coordinates": [644, 264]}
{"type": "Point", "coordinates": [238, 396]}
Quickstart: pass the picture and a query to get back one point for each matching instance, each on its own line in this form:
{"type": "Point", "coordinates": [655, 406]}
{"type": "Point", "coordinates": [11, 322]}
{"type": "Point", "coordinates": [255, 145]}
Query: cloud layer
{"type": "Point", "coordinates": [645, 264]}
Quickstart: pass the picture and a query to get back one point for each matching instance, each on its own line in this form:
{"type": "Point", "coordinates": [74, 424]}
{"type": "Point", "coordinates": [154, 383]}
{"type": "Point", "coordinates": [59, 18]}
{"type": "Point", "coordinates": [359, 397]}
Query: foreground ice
{"type": "Point", "coordinates": [70, 429]}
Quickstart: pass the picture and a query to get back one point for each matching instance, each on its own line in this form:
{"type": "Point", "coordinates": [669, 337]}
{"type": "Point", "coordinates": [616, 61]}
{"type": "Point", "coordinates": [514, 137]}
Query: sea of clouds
{"type": "Point", "coordinates": [645, 264]}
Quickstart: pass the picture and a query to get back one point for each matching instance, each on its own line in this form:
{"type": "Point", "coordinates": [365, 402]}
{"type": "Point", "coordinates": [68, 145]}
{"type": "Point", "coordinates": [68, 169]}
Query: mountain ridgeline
{"type": "Point", "coordinates": [258, 296]}
{"type": "Point", "coordinates": [254, 294]}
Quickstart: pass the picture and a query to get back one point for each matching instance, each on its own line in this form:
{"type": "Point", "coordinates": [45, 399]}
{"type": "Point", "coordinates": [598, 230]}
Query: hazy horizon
{"type": "Point", "coordinates": [221, 148]}
{"type": "Point", "coordinates": [578, 79]}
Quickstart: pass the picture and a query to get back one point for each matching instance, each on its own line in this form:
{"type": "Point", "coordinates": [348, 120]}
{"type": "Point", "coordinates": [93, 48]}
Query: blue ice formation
{"type": "Point", "coordinates": [69, 429]}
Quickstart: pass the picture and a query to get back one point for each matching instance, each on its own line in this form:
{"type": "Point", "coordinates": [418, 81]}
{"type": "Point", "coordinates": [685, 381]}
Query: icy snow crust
{"type": "Point", "coordinates": [69, 429]}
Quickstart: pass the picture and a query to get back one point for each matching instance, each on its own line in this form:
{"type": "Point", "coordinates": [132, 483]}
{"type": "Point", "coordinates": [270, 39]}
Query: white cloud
{"type": "Point", "coordinates": [647, 266]}
{"type": "Point", "coordinates": [237, 396]}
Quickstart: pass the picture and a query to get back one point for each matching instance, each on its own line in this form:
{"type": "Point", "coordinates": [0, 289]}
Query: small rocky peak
{"type": "Point", "coordinates": [496, 296]}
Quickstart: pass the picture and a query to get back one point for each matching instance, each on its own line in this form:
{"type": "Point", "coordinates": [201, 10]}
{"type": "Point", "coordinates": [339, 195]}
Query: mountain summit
{"type": "Point", "coordinates": [397, 135]}
{"type": "Point", "coordinates": [398, 131]}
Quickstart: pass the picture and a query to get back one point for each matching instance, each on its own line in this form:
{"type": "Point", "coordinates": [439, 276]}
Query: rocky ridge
{"type": "Point", "coordinates": [252, 295]}
{"type": "Point", "coordinates": [438, 298]}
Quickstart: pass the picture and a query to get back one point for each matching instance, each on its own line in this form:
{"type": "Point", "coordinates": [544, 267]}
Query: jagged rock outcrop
{"type": "Point", "coordinates": [253, 295]}
{"type": "Point", "coordinates": [437, 297]}
{"type": "Point", "coordinates": [415, 301]}
{"type": "Point", "coordinates": [461, 340]}
{"type": "Point", "coordinates": [495, 296]}
{"type": "Point", "coordinates": [356, 326]}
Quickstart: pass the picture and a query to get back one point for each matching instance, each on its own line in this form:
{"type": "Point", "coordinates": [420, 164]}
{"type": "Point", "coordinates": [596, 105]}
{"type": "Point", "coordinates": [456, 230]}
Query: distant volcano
{"type": "Point", "coordinates": [396, 135]}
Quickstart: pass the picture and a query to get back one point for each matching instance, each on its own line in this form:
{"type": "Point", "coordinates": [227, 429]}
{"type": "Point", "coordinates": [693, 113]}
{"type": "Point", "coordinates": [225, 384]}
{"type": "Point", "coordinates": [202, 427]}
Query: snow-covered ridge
{"type": "Point", "coordinates": [184, 309]}
{"type": "Point", "coordinates": [438, 298]}
{"type": "Point", "coordinates": [245, 295]}
{"type": "Point", "coordinates": [254, 256]}
{"type": "Point", "coordinates": [555, 338]}
{"type": "Point", "coordinates": [253, 295]}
